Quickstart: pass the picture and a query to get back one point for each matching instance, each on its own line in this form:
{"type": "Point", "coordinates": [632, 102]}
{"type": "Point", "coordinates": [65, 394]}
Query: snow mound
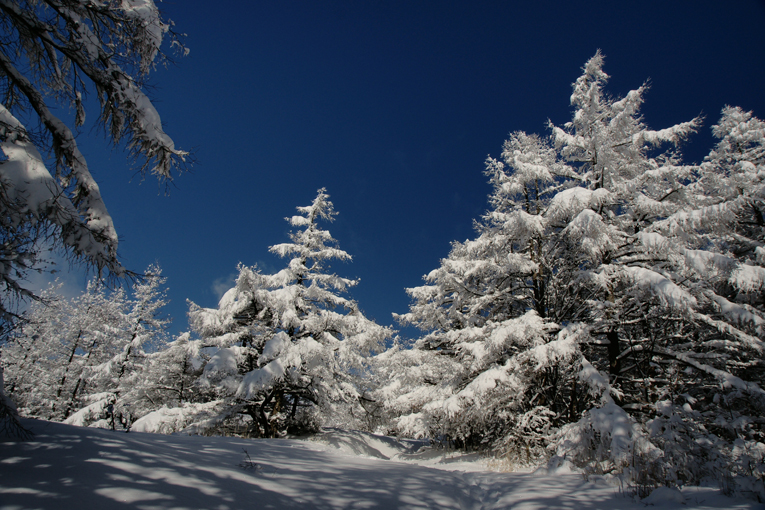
{"type": "Point", "coordinates": [663, 495]}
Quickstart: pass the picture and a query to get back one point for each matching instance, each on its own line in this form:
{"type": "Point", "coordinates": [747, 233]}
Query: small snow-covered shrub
{"type": "Point", "coordinates": [99, 413]}
{"type": "Point", "coordinates": [606, 440]}
{"type": "Point", "coordinates": [694, 455]}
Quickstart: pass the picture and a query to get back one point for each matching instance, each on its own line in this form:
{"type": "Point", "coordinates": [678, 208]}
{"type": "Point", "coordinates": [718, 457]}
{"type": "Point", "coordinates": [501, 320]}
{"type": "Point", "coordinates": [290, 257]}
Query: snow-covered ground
{"type": "Point", "coordinates": [66, 467]}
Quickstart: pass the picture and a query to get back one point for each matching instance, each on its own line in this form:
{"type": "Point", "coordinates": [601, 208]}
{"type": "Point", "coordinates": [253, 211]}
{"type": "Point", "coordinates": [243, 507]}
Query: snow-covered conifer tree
{"type": "Point", "coordinates": [79, 359]}
{"type": "Point", "coordinates": [732, 180]}
{"type": "Point", "coordinates": [168, 375]}
{"type": "Point", "coordinates": [167, 397]}
{"type": "Point", "coordinates": [48, 359]}
{"type": "Point", "coordinates": [489, 313]}
{"type": "Point", "coordinates": [117, 378]}
{"type": "Point", "coordinates": [624, 185]}
{"type": "Point", "coordinates": [650, 271]}
{"type": "Point", "coordinates": [670, 294]}
{"type": "Point", "coordinates": [235, 336]}
{"type": "Point", "coordinates": [291, 347]}
{"type": "Point", "coordinates": [92, 337]}
{"type": "Point", "coordinates": [32, 365]}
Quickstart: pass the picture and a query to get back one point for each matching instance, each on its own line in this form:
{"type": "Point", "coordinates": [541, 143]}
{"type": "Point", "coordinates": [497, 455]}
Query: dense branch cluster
{"type": "Point", "coordinates": [54, 53]}
{"type": "Point", "coordinates": [84, 361]}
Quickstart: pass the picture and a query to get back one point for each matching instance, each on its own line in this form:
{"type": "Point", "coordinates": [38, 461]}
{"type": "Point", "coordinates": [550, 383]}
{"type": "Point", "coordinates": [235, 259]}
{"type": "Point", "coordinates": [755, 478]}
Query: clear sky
{"type": "Point", "coordinates": [392, 106]}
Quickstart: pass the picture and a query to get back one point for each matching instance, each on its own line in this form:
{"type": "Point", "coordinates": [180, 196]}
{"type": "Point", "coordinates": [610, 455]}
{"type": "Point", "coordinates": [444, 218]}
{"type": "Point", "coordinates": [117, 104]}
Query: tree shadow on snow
{"type": "Point", "coordinates": [66, 467]}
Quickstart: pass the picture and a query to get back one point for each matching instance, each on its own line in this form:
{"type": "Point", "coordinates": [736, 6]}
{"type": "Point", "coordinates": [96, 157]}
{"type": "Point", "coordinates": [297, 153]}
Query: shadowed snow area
{"type": "Point", "coordinates": [364, 444]}
{"type": "Point", "coordinates": [65, 467]}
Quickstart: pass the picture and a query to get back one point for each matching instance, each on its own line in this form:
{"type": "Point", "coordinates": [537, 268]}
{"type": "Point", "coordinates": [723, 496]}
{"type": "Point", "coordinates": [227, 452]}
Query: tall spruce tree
{"type": "Point", "coordinates": [680, 348]}
{"type": "Point", "coordinates": [650, 272]}
{"type": "Point", "coordinates": [292, 348]}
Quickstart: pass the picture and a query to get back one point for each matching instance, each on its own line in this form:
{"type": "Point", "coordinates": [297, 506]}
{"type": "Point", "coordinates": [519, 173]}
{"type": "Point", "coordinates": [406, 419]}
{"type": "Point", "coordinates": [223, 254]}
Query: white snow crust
{"type": "Point", "coordinates": [65, 467]}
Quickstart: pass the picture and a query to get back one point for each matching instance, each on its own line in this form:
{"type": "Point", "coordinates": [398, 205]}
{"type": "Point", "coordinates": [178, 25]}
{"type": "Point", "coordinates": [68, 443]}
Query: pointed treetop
{"type": "Point", "coordinates": [588, 86]}
{"type": "Point", "coordinates": [313, 242]}
{"type": "Point", "coordinates": [321, 207]}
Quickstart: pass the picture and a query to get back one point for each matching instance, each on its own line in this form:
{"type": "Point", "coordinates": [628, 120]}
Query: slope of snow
{"type": "Point", "coordinates": [65, 467]}
{"type": "Point", "coordinates": [412, 451]}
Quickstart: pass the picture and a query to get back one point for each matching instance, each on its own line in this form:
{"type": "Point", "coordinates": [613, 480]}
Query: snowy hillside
{"type": "Point", "coordinates": [66, 467]}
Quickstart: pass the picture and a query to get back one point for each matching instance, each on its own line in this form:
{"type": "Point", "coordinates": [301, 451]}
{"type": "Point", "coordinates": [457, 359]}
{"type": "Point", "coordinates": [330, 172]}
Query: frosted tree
{"type": "Point", "coordinates": [322, 339]}
{"type": "Point", "coordinates": [49, 357]}
{"type": "Point", "coordinates": [80, 360]}
{"type": "Point", "coordinates": [167, 397]}
{"type": "Point", "coordinates": [671, 294]}
{"type": "Point", "coordinates": [168, 375]}
{"type": "Point", "coordinates": [610, 284]}
{"type": "Point", "coordinates": [731, 182]}
{"type": "Point", "coordinates": [9, 417]}
{"type": "Point", "coordinates": [713, 408]}
{"type": "Point", "coordinates": [31, 368]}
{"type": "Point", "coordinates": [486, 374]}
{"type": "Point", "coordinates": [116, 382]}
{"type": "Point", "coordinates": [291, 347]}
{"type": "Point", "coordinates": [236, 336]}
{"type": "Point", "coordinates": [625, 184]}
{"type": "Point", "coordinates": [91, 338]}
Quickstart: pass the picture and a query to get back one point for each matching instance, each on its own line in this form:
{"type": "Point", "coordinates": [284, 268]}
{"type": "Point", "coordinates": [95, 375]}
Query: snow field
{"type": "Point", "coordinates": [65, 467]}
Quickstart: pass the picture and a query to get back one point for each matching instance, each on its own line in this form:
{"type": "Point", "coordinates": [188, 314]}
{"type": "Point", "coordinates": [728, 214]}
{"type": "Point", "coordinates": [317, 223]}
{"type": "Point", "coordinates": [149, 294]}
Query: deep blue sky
{"type": "Point", "coordinates": [393, 107]}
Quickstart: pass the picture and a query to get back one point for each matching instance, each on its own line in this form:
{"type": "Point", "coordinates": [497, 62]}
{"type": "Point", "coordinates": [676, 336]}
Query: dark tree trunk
{"type": "Point", "coordinates": [614, 363]}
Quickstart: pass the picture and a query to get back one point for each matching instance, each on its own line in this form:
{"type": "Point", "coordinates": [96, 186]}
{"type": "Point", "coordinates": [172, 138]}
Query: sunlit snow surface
{"type": "Point", "coordinates": [66, 467]}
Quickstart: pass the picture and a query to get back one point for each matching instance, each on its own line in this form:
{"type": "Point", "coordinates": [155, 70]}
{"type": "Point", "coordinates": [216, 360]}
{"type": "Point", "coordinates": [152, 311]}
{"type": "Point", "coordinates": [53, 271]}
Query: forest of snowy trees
{"type": "Point", "coordinates": [609, 311]}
